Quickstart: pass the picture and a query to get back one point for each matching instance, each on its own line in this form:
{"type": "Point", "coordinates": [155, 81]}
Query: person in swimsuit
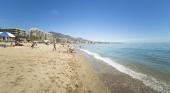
{"type": "Point", "coordinates": [54, 43]}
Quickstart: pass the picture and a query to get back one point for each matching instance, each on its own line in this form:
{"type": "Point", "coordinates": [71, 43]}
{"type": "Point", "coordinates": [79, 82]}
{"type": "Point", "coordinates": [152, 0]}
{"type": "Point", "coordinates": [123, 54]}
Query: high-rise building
{"type": "Point", "coordinates": [36, 34]}
{"type": "Point", "coordinates": [48, 36]}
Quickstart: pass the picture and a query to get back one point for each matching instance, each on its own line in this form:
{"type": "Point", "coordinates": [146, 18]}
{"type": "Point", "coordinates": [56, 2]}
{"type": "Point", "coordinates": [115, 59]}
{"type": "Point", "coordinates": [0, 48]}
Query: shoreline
{"type": "Point", "coordinates": [117, 81]}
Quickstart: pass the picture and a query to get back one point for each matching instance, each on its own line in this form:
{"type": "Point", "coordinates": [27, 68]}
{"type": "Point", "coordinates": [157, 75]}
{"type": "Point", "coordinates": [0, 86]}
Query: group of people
{"type": "Point", "coordinates": [17, 42]}
{"type": "Point", "coordinates": [70, 48]}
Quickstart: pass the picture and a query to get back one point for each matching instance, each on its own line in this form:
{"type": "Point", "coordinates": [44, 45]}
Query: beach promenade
{"type": "Point", "coordinates": [41, 70]}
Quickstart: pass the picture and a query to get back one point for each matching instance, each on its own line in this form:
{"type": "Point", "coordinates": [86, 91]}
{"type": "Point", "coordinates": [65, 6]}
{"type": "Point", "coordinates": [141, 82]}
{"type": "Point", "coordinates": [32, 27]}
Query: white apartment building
{"type": "Point", "coordinates": [48, 36]}
{"type": "Point", "coordinates": [36, 34]}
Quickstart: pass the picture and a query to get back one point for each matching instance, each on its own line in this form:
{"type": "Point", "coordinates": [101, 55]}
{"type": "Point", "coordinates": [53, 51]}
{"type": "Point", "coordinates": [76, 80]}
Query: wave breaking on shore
{"type": "Point", "coordinates": [148, 81]}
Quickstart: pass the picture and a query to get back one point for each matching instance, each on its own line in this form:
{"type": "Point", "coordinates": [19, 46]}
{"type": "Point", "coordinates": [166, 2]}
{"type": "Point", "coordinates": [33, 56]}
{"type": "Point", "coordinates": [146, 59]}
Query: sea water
{"type": "Point", "coordinates": [149, 63]}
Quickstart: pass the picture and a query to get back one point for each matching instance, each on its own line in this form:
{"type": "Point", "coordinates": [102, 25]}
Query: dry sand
{"type": "Point", "coordinates": [41, 70]}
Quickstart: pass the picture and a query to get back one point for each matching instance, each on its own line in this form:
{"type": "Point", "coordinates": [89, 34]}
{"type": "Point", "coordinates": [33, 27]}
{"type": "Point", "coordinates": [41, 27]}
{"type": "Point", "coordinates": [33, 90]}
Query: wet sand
{"type": "Point", "coordinates": [117, 81]}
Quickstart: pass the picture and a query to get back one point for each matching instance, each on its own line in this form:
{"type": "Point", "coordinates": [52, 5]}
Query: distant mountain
{"type": "Point", "coordinates": [59, 35]}
{"type": "Point", "coordinates": [80, 39]}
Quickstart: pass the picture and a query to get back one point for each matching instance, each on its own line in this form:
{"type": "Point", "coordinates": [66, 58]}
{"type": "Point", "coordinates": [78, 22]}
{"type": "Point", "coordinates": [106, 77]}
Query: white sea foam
{"type": "Point", "coordinates": [148, 81]}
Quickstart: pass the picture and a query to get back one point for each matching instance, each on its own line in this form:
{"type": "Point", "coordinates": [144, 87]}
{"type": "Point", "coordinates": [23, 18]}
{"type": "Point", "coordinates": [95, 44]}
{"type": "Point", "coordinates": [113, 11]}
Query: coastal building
{"type": "Point", "coordinates": [64, 40]}
{"type": "Point", "coordinates": [20, 33]}
{"type": "Point", "coordinates": [36, 34]}
{"type": "Point", "coordinates": [75, 42]}
{"type": "Point", "coordinates": [48, 36]}
{"type": "Point", "coordinates": [14, 31]}
{"type": "Point", "coordinates": [39, 35]}
{"type": "Point", "coordinates": [70, 41]}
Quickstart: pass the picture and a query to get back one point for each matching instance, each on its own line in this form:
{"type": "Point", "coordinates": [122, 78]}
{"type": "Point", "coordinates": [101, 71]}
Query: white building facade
{"type": "Point", "coordinates": [36, 34]}
{"type": "Point", "coordinates": [48, 36]}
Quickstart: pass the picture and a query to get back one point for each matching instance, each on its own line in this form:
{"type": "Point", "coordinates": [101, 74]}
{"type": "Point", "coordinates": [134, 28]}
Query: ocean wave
{"type": "Point", "coordinates": [148, 81]}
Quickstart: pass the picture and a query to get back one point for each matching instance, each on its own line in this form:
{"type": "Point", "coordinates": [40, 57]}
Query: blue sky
{"type": "Point", "coordinates": [97, 20]}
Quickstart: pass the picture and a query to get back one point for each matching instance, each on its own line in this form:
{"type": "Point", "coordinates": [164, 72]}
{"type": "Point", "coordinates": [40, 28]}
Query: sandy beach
{"type": "Point", "coordinates": [41, 70]}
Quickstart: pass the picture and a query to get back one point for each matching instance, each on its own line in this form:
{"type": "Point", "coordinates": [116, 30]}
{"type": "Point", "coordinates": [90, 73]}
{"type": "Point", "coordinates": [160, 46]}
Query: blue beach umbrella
{"type": "Point", "coordinates": [7, 34]}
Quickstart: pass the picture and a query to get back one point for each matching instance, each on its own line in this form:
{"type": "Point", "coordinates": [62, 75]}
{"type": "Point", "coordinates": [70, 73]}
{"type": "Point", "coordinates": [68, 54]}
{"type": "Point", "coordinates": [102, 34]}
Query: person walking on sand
{"type": "Point", "coordinates": [54, 44]}
{"type": "Point", "coordinates": [33, 44]}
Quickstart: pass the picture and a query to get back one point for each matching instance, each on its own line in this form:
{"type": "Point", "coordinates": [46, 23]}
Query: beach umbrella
{"type": "Point", "coordinates": [7, 34]}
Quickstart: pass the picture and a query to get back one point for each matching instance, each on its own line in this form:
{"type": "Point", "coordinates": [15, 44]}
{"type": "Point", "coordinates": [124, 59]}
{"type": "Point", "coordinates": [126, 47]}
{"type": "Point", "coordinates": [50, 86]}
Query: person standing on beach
{"type": "Point", "coordinates": [68, 48]}
{"type": "Point", "coordinates": [33, 44]}
{"type": "Point", "coordinates": [54, 44]}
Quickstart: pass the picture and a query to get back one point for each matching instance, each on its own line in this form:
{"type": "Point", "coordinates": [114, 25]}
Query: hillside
{"type": "Point", "coordinates": [59, 35]}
